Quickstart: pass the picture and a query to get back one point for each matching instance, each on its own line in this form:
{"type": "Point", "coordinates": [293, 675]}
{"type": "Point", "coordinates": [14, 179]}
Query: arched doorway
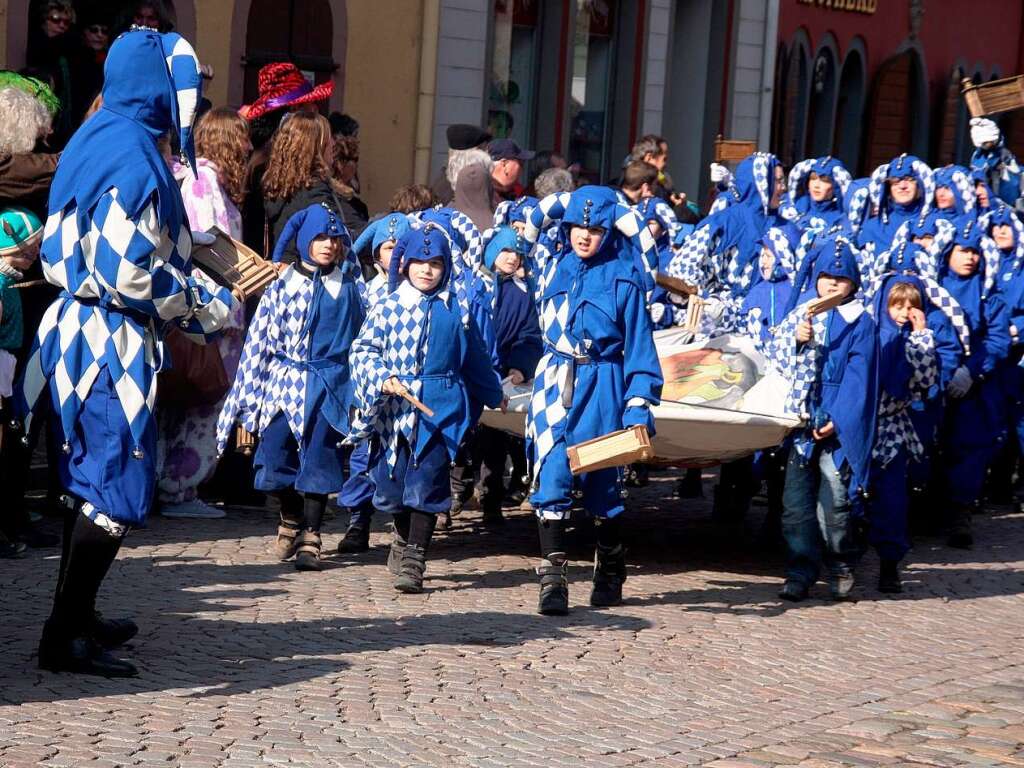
{"type": "Point", "coordinates": [304, 32]}
{"type": "Point", "coordinates": [821, 114]}
{"type": "Point", "coordinates": [898, 115]}
{"type": "Point", "coordinates": [793, 75]}
{"type": "Point", "coordinates": [850, 110]}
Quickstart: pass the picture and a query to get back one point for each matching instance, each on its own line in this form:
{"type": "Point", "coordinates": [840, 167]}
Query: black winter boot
{"type": "Point", "coordinates": [554, 585]}
{"type": "Point", "coordinates": [960, 535]}
{"type": "Point", "coordinates": [399, 539]}
{"type": "Point", "coordinates": [414, 558]}
{"type": "Point", "coordinates": [889, 578]}
{"type": "Point", "coordinates": [355, 540]}
{"type": "Point", "coordinates": [609, 575]}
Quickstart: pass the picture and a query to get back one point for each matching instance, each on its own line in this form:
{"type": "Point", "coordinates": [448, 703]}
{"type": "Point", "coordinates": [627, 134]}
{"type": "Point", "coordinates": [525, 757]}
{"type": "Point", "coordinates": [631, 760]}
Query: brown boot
{"type": "Point", "coordinates": [287, 542]}
{"type": "Point", "coordinates": [307, 557]}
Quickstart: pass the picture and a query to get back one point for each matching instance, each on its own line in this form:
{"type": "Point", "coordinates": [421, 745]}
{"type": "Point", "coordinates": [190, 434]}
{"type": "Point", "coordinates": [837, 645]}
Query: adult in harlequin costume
{"type": "Point", "coordinates": [117, 243]}
{"type": "Point", "coordinates": [817, 193]}
{"type": "Point", "coordinates": [974, 419]}
{"type": "Point", "coordinates": [357, 494]}
{"type": "Point", "coordinates": [598, 349]}
{"type": "Point", "coordinates": [900, 191]}
{"type": "Point", "coordinates": [720, 256]}
{"type": "Point", "coordinates": [421, 340]}
{"type": "Point", "coordinates": [293, 386]}
{"type": "Point", "coordinates": [995, 164]}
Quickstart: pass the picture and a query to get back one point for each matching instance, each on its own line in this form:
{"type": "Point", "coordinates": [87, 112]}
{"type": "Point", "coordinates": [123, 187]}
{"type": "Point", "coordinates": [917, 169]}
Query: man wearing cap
{"type": "Point", "coordinates": [508, 160]}
{"type": "Point", "coordinates": [461, 138]}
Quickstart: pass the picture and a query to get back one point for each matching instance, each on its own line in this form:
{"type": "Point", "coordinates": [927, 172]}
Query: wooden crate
{"type": "Point", "coordinates": [234, 265]}
{"type": "Point", "coordinates": [994, 97]}
{"type": "Point", "coordinates": [616, 449]}
{"type": "Point", "coordinates": [732, 150]}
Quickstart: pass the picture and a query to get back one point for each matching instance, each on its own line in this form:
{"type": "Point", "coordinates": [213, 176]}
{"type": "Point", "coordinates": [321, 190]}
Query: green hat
{"type": "Point", "coordinates": [33, 86]}
{"type": "Point", "coordinates": [19, 227]}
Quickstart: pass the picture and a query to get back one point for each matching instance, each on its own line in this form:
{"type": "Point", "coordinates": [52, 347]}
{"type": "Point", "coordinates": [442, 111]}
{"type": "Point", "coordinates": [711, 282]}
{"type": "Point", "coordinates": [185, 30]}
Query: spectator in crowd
{"type": "Point", "coordinates": [187, 448]}
{"type": "Point", "coordinates": [508, 160]}
{"type": "Point", "coordinates": [281, 89]}
{"type": "Point", "coordinates": [473, 196]}
{"type": "Point", "coordinates": [462, 139]}
{"type": "Point", "coordinates": [346, 175]}
{"type": "Point", "coordinates": [343, 125]}
{"type": "Point", "coordinates": [412, 198]}
{"type": "Point", "coordinates": [51, 49]}
{"type": "Point", "coordinates": [553, 180]}
{"type": "Point", "coordinates": [299, 175]}
{"type": "Point", "coordinates": [88, 61]}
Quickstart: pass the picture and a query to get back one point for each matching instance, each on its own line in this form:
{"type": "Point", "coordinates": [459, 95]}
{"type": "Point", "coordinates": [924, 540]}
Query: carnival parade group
{"type": "Point", "coordinates": [369, 358]}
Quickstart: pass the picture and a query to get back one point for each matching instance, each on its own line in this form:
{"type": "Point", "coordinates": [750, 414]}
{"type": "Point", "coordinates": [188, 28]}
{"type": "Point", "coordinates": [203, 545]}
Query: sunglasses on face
{"type": "Point", "coordinates": [97, 29]}
{"type": "Point", "coordinates": [64, 21]}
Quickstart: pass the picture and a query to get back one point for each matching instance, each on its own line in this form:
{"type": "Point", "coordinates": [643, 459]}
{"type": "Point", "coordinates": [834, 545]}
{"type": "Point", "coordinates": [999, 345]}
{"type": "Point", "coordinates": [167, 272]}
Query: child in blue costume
{"type": "Point", "coordinates": [833, 361]}
{"type": "Point", "coordinates": [118, 245]}
{"type": "Point", "coordinates": [954, 193]}
{"type": "Point", "coordinates": [1007, 232]}
{"type": "Point", "coordinates": [667, 309]}
{"type": "Point", "coordinates": [357, 494]}
{"type": "Point", "coordinates": [817, 190]}
{"type": "Point", "coordinates": [907, 371]}
{"type": "Point", "coordinates": [600, 372]}
{"type": "Point", "coordinates": [719, 258]}
{"type": "Point", "coordinates": [900, 191]}
{"type": "Point", "coordinates": [420, 340]}
{"type": "Point", "coordinates": [765, 305]}
{"type": "Point", "coordinates": [293, 384]}
{"type": "Point", "coordinates": [974, 408]}
{"type": "Point", "coordinates": [518, 337]}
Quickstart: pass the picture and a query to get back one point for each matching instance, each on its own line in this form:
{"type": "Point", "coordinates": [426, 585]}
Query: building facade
{"type": "Point", "coordinates": [867, 79]}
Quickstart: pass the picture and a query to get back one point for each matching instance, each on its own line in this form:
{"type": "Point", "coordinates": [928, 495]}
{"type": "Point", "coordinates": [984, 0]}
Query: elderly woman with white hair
{"type": "Point", "coordinates": [24, 174]}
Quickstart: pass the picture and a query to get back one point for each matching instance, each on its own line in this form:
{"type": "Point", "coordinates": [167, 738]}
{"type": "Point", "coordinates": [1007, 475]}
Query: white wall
{"type": "Point", "coordinates": [659, 24]}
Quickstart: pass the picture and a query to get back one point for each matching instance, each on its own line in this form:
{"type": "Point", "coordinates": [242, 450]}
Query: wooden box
{"type": "Point", "coordinates": [994, 97]}
{"type": "Point", "coordinates": [616, 449]}
{"type": "Point", "coordinates": [234, 265]}
{"type": "Point", "coordinates": [731, 150]}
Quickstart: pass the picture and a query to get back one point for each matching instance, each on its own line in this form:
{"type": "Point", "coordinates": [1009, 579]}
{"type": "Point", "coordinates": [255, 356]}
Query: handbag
{"type": "Point", "coordinates": [196, 376]}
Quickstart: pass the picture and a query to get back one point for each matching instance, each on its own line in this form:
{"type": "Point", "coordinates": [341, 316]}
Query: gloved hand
{"type": "Point", "coordinates": [657, 312]}
{"type": "Point", "coordinates": [720, 174]}
{"type": "Point", "coordinates": [714, 309]}
{"type": "Point", "coordinates": [984, 131]}
{"type": "Point", "coordinates": [638, 415]}
{"type": "Point", "coordinates": [961, 382]}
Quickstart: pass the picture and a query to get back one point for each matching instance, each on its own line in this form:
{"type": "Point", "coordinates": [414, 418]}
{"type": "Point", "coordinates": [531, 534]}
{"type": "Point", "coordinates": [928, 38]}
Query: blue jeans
{"type": "Point", "coordinates": [816, 519]}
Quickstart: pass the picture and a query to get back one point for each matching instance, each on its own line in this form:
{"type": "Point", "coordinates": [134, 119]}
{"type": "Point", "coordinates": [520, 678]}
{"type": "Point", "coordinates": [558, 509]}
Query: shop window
{"type": "Point", "coordinates": [299, 31]}
{"type": "Point", "coordinates": [593, 63]}
{"type": "Point", "coordinates": [512, 99]}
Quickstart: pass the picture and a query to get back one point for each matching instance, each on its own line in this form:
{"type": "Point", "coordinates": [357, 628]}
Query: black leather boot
{"type": "Point", "coordinates": [81, 655]}
{"type": "Point", "coordinates": [960, 535]}
{"type": "Point", "coordinates": [554, 585]}
{"type": "Point", "coordinates": [609, 575]}
{"type": "Point", "coordinates": [414, 558]}
{"type": "Point", "coordinates": [111, 633]}
{"type": "Point", "coordinates": [889, 578]}
{"type": "Point", "coordinates": [355, 540]}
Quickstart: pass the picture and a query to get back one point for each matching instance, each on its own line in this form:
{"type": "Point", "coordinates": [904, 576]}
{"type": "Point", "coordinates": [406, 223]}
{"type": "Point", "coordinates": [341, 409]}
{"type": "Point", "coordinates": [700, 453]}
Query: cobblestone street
{"type": "Point", "coordinates": [245, 662]}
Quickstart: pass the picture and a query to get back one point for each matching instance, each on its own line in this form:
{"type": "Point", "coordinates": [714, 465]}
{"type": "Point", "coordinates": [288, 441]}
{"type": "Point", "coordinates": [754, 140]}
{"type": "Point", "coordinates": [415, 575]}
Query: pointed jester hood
{"type": "Point", "coordinates": [151, 87]}
{"type": "Point", "coordinates": [801, 204]}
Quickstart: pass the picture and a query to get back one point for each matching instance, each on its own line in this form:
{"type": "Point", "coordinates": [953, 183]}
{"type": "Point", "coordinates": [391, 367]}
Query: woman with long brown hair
{"type": "Point", "coordinates": [299, 174]}
{"type": "Point", "coordinates": [187, 449]}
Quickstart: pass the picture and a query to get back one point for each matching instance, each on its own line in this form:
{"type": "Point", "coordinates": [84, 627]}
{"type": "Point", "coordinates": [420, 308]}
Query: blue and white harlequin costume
{"type": "Point", "coordinates": [765, 305]}
{"type": "Point", "coordinates": [667, 309]}
{"type": "Point", "coordinates": [719, 257]}
{"type": "Point", "coordinates": [878, 231]}
{"type": "Point", "coordinates": [907, 371]}
{"type": "Point", "coordinates": [511, 212]}
{"type": "Point", "coordinates": [598, 348]}
{"type": "Point", "coordinates": [997, 167]}
{"type": "Point", "coordinates": [957, 180]}
{"type": "Point", "coordinates": [804, 212]}
{"type": "Point", "coordinates": [431, 345]}
{"type": "Point", "coordinates": [118, 245]}
{"type": "Point", "coordinates": [975, 412]}
{"type": "Point", "coordinates": [387, 229]}
{"type": "Point", "coordinates": [293, 385]}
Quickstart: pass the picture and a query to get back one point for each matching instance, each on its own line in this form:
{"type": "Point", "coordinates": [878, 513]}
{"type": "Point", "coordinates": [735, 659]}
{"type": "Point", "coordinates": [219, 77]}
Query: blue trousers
{"type": "Point", "coordinates": [357, 492]}
{"type": "Point", "coordinates": [888, 529]}
{"type": "Point", "coordinates": [420, 485]}
{"type": "Point", "coordinates": [100, 466]}
{"type": "Point", "coordinates": [972, 435]}
{"type": "Point", "coordinates": [552, 498]}
{"type": "Point", "coordinates": [817, 521]}
{"type": "Point", "coordinates": [317, 468]}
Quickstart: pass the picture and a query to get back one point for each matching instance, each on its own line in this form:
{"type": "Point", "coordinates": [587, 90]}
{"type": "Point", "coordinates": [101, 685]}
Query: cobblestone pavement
{"type": "Point", "coordinates": [245, 662]}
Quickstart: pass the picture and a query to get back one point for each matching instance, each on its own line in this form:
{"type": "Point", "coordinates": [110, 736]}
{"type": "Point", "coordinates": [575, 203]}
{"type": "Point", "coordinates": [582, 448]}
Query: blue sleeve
{"type": "Point", "coordinates": [947, 347]}
{"type": "Point", "coordinates": [478, 373]}
{"type": "Point", "coordinates": [641, 367]}
{"type": "Point", "coordinates": [996, 343]}
{"type": "Point", "coordinates": [1002, 163]}
{"type": "Point", "coordinates": [858, 400]}
{"type": "Point", "coordinates": [526, 348]}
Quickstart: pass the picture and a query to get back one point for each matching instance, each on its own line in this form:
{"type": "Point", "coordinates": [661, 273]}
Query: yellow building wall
{"type": "Point", "coordinates": [212, 43]}
{"type": "Point", "coordinates": [382, 68]}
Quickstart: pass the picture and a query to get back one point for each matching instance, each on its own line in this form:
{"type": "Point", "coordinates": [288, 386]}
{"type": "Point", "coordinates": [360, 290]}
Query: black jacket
{"type": "Point", "coordinates": [279, 211]}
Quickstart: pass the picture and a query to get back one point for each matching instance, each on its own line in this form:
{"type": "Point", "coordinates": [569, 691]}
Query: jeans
{"type": "Point", "coordinates": [816, 518]}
